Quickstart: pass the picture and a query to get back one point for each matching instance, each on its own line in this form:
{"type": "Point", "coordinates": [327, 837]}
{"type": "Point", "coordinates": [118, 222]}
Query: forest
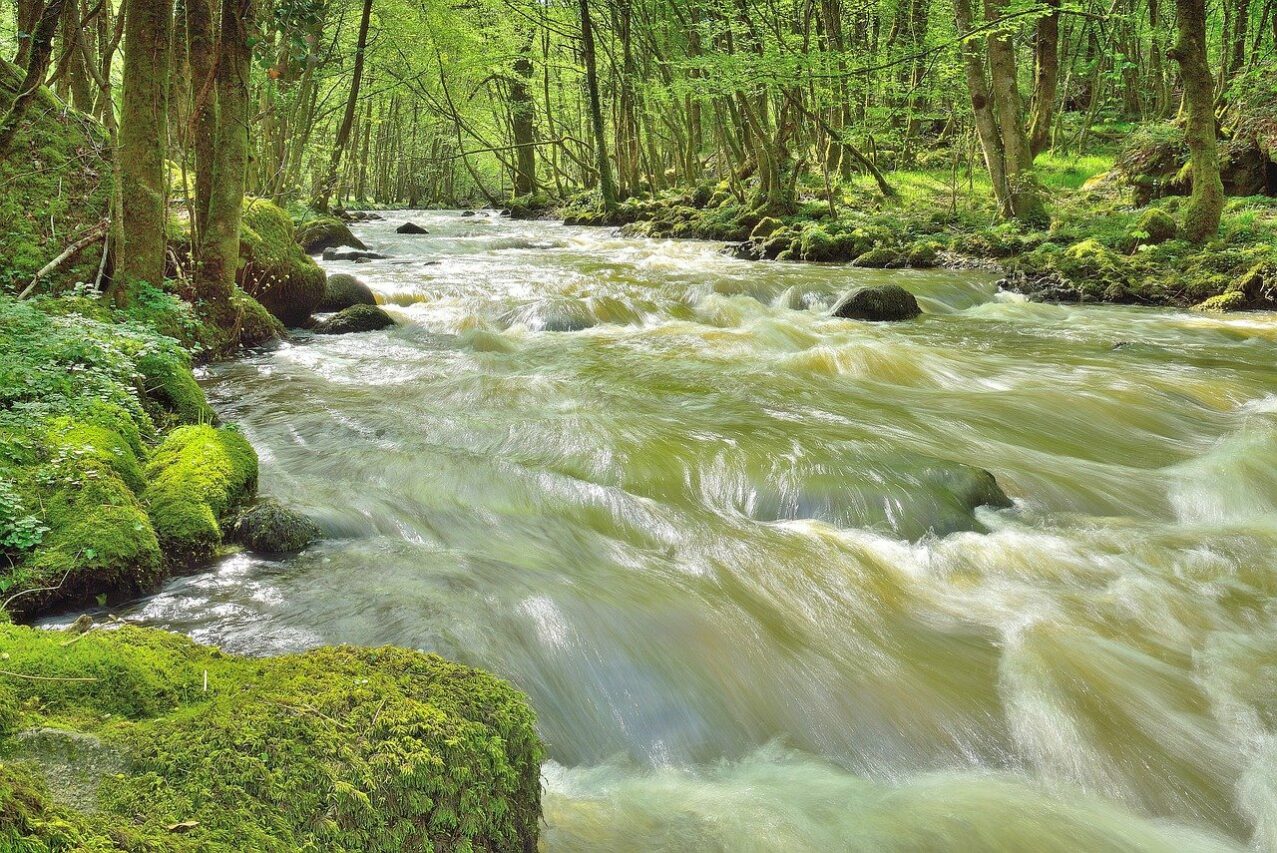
{"type": "Point", "coordinates": [638, 425]}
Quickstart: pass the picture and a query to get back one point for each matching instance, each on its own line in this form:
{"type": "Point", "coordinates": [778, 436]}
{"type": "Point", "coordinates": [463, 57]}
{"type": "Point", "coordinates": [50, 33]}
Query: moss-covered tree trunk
{"type": "Point", "coordinates": [1023, 191]}
{"type": "Point", "coordinates": [1046, 75]}
{"type": "Point", "coordinates": [522, 129]}
{"type": "Point", "coordinates": [143, 134]}
{"type": "Point", "coordinates": [986, 123]}
{"type": "Point", "coordinates": [1202, 215]}
{"type": "Point", "coordinates": [607, 184]}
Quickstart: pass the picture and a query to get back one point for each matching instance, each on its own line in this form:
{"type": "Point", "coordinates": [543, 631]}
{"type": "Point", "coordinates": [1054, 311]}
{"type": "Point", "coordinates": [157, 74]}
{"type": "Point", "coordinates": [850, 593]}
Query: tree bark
{"type": "Point", "coordinates": [522, 127]}
{"type": "Point", "coordinates": [986, 123]}
{"type": "Point", "coordinates": [1046, 73]}
{"type": "Point", "coordinates": [1206, 205]}
{"type": "Point", "coordinates": [329, 183]}
{"type": "Point", "coordinates": [143, 134]}
{"type": "Point", "coordinates": [607, 185]}
{"type": "Point", "coordinates": [1024, 194]}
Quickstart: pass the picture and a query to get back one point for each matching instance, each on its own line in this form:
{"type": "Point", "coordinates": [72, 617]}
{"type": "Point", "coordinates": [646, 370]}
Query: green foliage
{"type": "Point", "coordinates": [196, 477]}
{"type": "Point", "coordinates": [339, 749]}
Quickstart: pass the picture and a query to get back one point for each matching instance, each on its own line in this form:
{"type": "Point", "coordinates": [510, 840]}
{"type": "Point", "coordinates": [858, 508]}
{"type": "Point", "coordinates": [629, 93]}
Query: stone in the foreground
{"type": "Point", "coordinates": [343, 291]}
{"type": "Point", "coordinates": [411, 228]}
{"type": "Point", "coordinates": [879, 302]}
{"type": "Point", "coordinates": [269, 527]}
{"type": "Point", "coordinates": [356, 318]}
{"type": "Point", "coordinates": [339, 749]}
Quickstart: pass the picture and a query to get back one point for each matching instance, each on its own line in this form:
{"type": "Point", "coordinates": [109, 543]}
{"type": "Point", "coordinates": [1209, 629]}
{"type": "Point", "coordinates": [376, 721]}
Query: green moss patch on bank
{"type": "Point", "coordinates": [339, 748]}
{"type": "Point", "coordinates": [88, 504]}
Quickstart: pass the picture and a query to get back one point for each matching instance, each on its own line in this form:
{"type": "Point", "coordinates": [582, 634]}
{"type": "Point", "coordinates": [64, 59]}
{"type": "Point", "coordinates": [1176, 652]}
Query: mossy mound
{"type": "Point", "coordinates": [339, 749]}
{"type": "Point", "coordinates": [275, 271]}
{"type": "Point", "coordinates": [1155, 226]}
{"type": "Point", "coordinates": [82, 401]}
{"type": "Point", "coordinates": [326, 232]}
{"type": "Point", "coordinates": [880, 302]}
{"type": "Point", "coordinates": [195, 481]}
{"type": "Point", "coordinates": [54, 185]}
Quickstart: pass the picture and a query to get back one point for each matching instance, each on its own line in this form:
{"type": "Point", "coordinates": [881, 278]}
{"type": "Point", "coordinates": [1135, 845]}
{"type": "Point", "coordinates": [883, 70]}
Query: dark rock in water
{"type": "Point", "coordinates": [343, 291]}
{"type": "Point", "coordinates": [879, 302]}
{"type": "Point", "coordinates": [356, 318]}
{"type": "Point", "coordinates": [352, 255]}
{"type": "Point", "coordinates": [971, 486]}
{"type": "Point", "coordinates": [468, 213]}
{"type": "Point", "coordinates": [269, 527]}
{"type": "Point", "coordinates": [747, 251]}
{"type": "Point", "coordinates": [326, 233]}
{"type": "Point", "coordinates": [411, 228]}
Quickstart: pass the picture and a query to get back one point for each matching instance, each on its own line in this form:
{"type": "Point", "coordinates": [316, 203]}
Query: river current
{"type": "Point", "coordinates": [719, 539]}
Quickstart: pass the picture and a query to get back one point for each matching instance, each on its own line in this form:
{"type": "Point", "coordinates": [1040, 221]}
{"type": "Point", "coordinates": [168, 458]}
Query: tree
{"type": "Point", "coordinates": [1206, 205]}
{"type": "Point", "coordinates": [143, 137]}
{"type": "Point", "coordinates": [329, 182]}
{"type": "Point", "coordinates": [37, 55]}
{"type": "Point", "coordinates": [607, 185]}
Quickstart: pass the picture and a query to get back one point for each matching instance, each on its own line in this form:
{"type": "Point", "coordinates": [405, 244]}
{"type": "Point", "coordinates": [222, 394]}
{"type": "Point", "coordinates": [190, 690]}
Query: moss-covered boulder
{"type": "Point", "coordinates": [338, 749]}
{"type": "Point", "coordinates": [357, 318]}
{"type": "Point", "coordinates": [326, 232]}
{"type": "Point", "coordinates": [269, 527]}
{"type": "Point", "coordinates": [274, 269]}
{"type": "Point", "coordinates": [196, 479]}
{"type": "Point", "coordinates": [766, 227]}
{"type": "Point", "coordinates": [1155, 226]}
{"type": "Point", "coordinates": [342, 291]}
{"type": "Point", "coordinates": [880, 257]}
{"type": "Point", "coordinates": [880, 302]}
{"type": "Point", "coordinates": [54, 185]}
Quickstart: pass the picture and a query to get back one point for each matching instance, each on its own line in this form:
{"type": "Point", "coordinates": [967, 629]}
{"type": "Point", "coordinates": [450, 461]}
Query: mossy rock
{"type": "Point", "coordinates": [171, 390]}
{"type": "Point", "coordinates": [195, 481]}
{"type": "Point", "coordinates": [817, 244]}
{"type": "Point", "coordinates": [879, 257]}
{"type": "Point", "coordinates": [766, 227]}
{"type": "Point", "coordinates": [326, 232]}
{"type": "Point", "coordinates": [1230, 300]}
{"type": "Point", "coordinates": [274, 270]}
{"type": "Point", "coordinates": [924, 254]}
{"type": "Point", "coordinates": [269, 527]}
{"type": "Point", "coordinates": [879, 302]}
{"type": "Point", "coordinates": [1155, 227]}
{"type": "Point", "coordinates": [338, 749]}
{"type": "Point", "coordinates": [343, 291]}
{"type": "Point", "coordinates": [255, 326]}
{"type": "Point", "coordinates": [356, 318]}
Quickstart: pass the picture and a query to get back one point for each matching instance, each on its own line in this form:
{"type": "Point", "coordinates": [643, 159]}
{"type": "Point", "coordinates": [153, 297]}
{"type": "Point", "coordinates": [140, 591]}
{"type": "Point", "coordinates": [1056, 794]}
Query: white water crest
{"type": "Point", "coordinates": [730, 546]}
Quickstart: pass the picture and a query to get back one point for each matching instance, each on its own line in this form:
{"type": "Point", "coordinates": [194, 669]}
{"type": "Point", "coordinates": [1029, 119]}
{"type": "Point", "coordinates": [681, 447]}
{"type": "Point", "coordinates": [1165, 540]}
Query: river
{"type": "Point", "coordinates": [718, 538]}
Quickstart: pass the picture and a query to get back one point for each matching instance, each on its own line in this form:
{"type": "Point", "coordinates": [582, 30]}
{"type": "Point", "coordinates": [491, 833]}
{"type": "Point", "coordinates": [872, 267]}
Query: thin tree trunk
{"type": "Point", "coordinates": [1046, 74]}
{"type": "Point", "coordinates": [607, 185]}
{"type": "Point", "coordinates": [41, 48]}
{"type": "Point", "coordinates": [329, 182]}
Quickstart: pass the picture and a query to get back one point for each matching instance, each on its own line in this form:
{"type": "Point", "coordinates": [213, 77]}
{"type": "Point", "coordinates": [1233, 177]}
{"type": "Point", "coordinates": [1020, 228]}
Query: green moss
{"type": "Point", "coordinates": [879, 257]}
{"type": "Point", "coordinates": [77, 444]}
{"type": "Point", "coordinates": [195, 479]}
{"type": "Point", "coordinates": [1156, 226]}
{"type": "Point", "coordinates": [766, 228]}
{"type": "Point", "coordinates": [170, 388]}
{"type": "Point", "coordinates": [256, 325]}
{"type": "Point", "coordinates": [338, 749]}
{"type": "Point", "coordinates": [53, 184]}
{"type": "Point", "coordinates": [274, 269]}
{"type": "Point", "coordinates": [1232, 300]}
{"type": "Point", "coordinates": [324, 232]}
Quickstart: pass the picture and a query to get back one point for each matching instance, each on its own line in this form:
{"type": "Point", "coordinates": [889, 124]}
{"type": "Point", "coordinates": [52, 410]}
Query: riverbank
{"type": "Point", "coordinates": [1100, 247]}
{"type": "Point", "coordinates": [116, 473]}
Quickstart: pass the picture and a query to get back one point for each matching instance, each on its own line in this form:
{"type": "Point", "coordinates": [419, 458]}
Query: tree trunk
{"type": "Point", "coordinates": [522, 127]}
{"type": "Point", "coordinates": [607, 185]}
{"type": "Point", "coordinates": [329, 182]}
{"type": "Point", "coordinates": [1024, 195]}
{"type": "Point", "coordinates": [982, 108]}
{"type": "Point", "coordinates": [1046, 73]}
{"type": "Point", "coordinates": [1205, 206]}
{"type": "Point", "coordinates": [143, 133]}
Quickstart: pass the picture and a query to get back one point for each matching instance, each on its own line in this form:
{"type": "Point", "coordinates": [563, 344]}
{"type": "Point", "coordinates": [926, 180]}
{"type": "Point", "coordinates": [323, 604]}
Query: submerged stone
{"type": "Point", "coordinates": [352, 255]}
{"type": "Point", "coordinates": [269, 527]}
{"type": "Point", "coordinates": [879, 302]}
{"type": "Point", "coordinates": [356, 318]}
{"type": "Point", "coordinates": [342, 291]}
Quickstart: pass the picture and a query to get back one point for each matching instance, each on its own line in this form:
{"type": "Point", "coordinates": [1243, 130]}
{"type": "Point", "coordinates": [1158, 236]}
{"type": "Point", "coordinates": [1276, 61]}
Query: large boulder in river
{"type": "Point", "coordinates": [343, 291]}
{"type": "Point", "coordinates": [326, 232]}
{"type": "Point", "coordinates": [879, 302]}
{"type": "Point", "coordinates": [275, 271]}
{"type": "Point", "coordinates": [411, 228]}
{"type": "Point", "coordinates": [356, 318]}
{"type": "Point", "coordinates": [269, 527]}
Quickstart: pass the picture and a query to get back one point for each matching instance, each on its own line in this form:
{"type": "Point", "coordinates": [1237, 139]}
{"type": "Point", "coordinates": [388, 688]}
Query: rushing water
{"type": "Point", "coordinates": [718, 537]}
